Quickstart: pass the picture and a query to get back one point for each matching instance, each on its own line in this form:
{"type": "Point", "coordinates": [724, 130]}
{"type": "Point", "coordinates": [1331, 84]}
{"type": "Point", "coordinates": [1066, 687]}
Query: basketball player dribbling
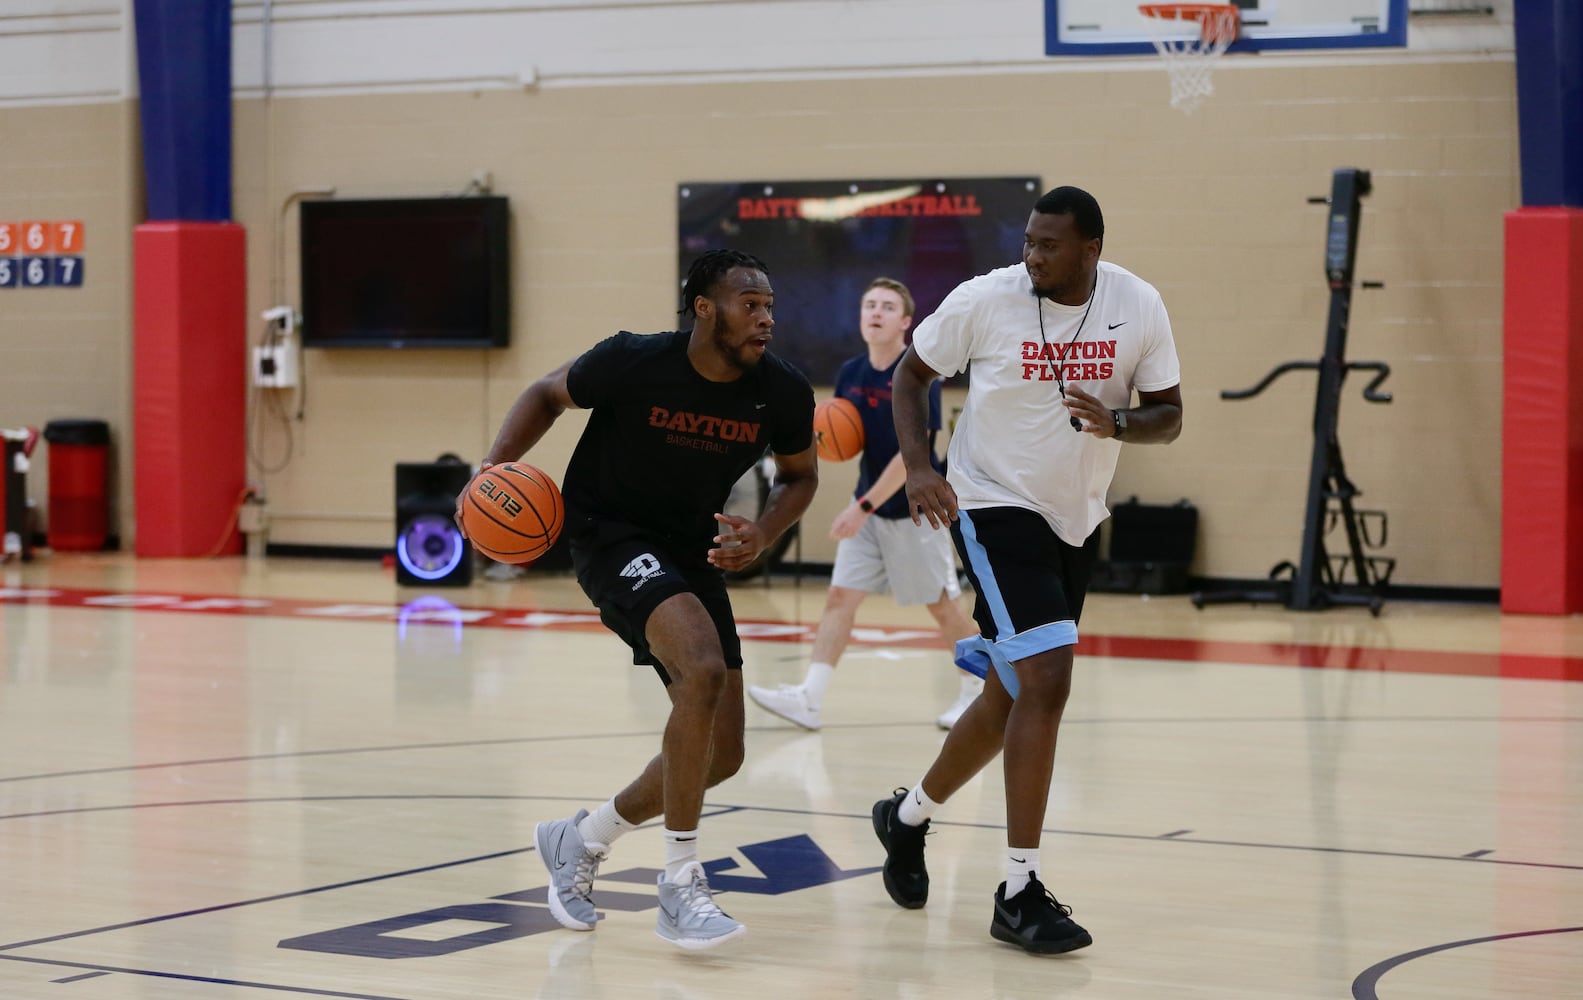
{"type": "Point", "coordinates": [1057, 347]}
{"type": "Point", "coordinates": [677, 419]}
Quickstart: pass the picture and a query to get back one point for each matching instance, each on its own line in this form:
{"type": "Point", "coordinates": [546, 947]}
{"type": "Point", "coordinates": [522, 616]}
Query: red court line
{"type": "Point", "coordinates": [435, 611]}
{"type": "Point", "coordinates": [1409, 661]}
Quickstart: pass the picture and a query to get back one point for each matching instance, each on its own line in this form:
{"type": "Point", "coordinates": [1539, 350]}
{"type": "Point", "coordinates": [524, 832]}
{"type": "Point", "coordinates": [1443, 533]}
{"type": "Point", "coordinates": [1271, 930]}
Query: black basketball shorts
{"type": "Point", "coordinates": [627, 573]}
{"type": "Point", "coordinates": [1030, 587]}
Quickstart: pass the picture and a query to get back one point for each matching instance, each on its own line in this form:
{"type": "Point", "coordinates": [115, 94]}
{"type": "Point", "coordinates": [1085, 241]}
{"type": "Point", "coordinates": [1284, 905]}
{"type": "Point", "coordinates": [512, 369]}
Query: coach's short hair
{"type": "Point", "coordinates": [1080, 205]}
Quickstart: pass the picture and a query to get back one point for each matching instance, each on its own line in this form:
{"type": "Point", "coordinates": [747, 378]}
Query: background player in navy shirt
{"type": "Point", "coordinates": [879, 546]}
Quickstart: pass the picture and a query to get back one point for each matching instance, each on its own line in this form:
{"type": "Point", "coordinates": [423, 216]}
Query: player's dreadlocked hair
{"type": "Point", "coordinates": [708, 269]}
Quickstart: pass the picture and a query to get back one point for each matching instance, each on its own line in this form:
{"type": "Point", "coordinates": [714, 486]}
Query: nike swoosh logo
{"type": "Point", "coordinates": [1012, 921]}
{"type": "Point", "coordinates": [668, 914]}
{"type": "Point", "coordinates": [559, 864]}
{"type": "Point", "coordinates": [1114, 325]}
{"type": "Point", "coordinates": [759, 406]}
{"type": "Point", "coordinates": [1020, 861]}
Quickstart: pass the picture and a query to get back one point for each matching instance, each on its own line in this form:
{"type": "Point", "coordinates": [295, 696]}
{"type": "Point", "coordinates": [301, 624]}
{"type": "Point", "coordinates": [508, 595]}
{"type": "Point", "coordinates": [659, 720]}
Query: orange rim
{"type": "Point", "coordinates": [1216, 20]}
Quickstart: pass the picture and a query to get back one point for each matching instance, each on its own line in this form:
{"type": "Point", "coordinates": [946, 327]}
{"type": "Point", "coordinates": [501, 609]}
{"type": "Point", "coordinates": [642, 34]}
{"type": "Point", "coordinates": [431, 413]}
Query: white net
{"type": "Point", "coordinates": [1190, 54]}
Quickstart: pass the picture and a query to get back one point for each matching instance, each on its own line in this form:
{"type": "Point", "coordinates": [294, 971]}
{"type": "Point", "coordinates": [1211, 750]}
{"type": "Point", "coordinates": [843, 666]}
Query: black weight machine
{"type": "Point", "coordinates": [1318, 580]}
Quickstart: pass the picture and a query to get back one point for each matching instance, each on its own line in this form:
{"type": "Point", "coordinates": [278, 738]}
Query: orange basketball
{"type": "Point", "coordinates": [837, 430]}
{"type": "Point", "coordinates": [513, 512]}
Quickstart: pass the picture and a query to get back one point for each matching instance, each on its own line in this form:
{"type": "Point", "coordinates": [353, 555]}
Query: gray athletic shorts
{"type": "Point", "coordinates": [916, 563]}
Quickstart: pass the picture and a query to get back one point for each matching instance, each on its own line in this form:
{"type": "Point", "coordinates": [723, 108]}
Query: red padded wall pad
{"type": "Point", "coordinates": [1542, 414]}
{"type": "Point", "coordinates": [189, 398]}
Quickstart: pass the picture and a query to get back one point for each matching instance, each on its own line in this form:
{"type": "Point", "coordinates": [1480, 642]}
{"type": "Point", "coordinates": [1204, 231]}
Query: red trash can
{"type": "Point", "coordinates": [79, 499]}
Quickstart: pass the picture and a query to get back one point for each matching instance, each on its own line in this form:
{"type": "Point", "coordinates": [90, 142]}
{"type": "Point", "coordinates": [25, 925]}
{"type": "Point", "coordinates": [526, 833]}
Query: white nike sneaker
{"type": "Point", "coordinates": [790, 702]}
{"type": "Point", "coordinates": [972, 687]}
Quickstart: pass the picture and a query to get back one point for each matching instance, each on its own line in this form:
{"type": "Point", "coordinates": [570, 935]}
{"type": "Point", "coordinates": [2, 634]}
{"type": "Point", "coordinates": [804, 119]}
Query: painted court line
{"type": "Point", "coordinates": [432, 611]}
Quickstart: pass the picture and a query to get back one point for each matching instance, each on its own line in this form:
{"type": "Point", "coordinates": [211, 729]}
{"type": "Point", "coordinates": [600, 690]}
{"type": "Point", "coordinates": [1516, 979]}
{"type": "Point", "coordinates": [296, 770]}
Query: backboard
{"type": "Point", "coordinates": [1115, 27]}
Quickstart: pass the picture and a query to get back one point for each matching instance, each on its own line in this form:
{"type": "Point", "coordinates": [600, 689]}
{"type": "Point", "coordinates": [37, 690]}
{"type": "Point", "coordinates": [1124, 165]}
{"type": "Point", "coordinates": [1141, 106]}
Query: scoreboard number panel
{"type": "Point", "coordinates": [68, 272]}
{"type": "Point", "coordinates": [68, 237]}
{"type": "Point", "coordinates": [34, 237]}
{"type": "Point", "coordinates": [38, 253]}
{"type": "Point", "coordinates": [36, 271]}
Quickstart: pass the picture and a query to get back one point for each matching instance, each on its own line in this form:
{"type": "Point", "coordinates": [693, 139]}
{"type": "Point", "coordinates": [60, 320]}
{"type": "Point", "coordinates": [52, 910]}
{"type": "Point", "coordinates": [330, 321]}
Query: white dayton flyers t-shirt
{"type": "Point", "coordinates": [1014, 444]}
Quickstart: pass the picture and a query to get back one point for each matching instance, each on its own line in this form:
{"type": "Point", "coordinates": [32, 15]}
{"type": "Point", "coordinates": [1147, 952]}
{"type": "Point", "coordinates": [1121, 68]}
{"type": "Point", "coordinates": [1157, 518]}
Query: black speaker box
{"type": "Point", "coordinates": [430, 549]}
{"type": "Point", "coordinates": [1151, 548]}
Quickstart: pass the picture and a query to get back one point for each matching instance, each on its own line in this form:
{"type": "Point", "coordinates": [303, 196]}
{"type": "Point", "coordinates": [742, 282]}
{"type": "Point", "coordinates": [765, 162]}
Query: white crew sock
{"type": "Point", "coordinates": [681, 848]}
{"type": "Point", "coordinates": [1021, 864]}
{"type": "Point", "coordinates": [917, 807]}
{"type": "Point", "coordinates": [817, 682]}
{"type": "Point", "coordinates": [604, 825]}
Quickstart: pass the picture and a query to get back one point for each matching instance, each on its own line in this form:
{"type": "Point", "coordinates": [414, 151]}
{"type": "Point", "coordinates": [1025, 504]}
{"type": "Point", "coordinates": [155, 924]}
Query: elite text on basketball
{"type": "Point", "coordinates": [505, 501]}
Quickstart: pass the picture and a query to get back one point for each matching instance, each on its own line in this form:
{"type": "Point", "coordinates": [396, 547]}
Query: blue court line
{"type": "Point", "coordinates": [936, 823]}
{"type": "Point", "coordinates": [104, 970]}
{"type": "Point", "coordinates": [1363, 987]}
{"type": "Point", "coordinates": [81, 810]}
{"type": "Point", "coordinates": [395, 747]}
{"type": "Point", "coordinates": [708, 813]}
{"type": "Point", "coordinates": [262, 899]}
{"type": "Point", "coordinates": [770, 727]}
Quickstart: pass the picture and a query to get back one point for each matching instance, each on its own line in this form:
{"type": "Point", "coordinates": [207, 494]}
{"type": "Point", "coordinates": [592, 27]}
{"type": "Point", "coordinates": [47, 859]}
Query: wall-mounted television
{"type": "Point", "coordinates": [406, 272]}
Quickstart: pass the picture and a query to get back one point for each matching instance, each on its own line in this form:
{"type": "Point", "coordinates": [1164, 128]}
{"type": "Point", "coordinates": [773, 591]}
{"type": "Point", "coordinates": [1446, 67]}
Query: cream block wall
{"type": "Point", "coordinates": [1210, 208]}
{"type": "Point", "coordinates": [66, 353]}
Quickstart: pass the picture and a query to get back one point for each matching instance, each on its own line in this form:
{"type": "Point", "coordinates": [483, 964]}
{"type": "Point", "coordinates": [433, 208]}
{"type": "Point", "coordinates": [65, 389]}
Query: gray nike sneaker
{"type": "Point", "coordinates": [689, 917]}
{"type": "Point", "coordinates": [572, 865]}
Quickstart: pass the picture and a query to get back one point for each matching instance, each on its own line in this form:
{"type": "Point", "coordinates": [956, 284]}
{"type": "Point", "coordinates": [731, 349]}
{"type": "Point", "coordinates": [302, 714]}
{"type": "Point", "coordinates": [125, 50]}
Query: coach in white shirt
{"type": "Point", "coordinates": [1057, 347]}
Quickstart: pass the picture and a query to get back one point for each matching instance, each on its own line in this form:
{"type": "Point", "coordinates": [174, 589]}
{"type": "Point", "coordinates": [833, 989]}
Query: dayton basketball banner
{"type": "Point", "coordinates": [824, 241]}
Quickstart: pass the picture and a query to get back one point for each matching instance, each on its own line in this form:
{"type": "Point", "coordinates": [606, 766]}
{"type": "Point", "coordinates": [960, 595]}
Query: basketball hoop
{"type": "Point", "coordinates": [1190, 60]}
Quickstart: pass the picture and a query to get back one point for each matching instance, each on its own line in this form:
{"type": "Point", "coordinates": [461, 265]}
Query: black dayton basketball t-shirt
{"type": "Point", "coordinates": [664, 445]}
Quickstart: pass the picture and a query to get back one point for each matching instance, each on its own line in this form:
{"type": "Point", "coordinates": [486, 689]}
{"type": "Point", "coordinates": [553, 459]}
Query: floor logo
{"type": "Point", "coordinates": [787, 865]}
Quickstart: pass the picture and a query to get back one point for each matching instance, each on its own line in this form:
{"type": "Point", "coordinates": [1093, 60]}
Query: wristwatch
{"type": "Point", "coordinates": [1120, 417]}
{"type": "Point", "coordinates": [864, 506]}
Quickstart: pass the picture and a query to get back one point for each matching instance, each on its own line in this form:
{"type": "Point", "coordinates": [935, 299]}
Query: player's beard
{"type": "Point", "coordinates": [739, 356]}
{"type": "Point", "coordinates": [1072, 288]}
{"type": "Point", "coordinates": [1055, 292]}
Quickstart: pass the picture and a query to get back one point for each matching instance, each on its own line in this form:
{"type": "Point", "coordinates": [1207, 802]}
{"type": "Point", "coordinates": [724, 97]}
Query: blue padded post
{"type": "Point", "coordinates": [184, 71]}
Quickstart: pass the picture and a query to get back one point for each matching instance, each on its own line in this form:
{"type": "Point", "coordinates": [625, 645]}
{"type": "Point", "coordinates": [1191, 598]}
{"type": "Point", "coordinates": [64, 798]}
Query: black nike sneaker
{"type": "Point", "coordinates": [906, 879]}
{"type": "Point", "coordinates": [1035, 922]}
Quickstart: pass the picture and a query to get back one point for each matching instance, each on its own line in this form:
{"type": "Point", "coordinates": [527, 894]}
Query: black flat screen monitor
{"type": "Point", "coordinates": [409, 272]}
